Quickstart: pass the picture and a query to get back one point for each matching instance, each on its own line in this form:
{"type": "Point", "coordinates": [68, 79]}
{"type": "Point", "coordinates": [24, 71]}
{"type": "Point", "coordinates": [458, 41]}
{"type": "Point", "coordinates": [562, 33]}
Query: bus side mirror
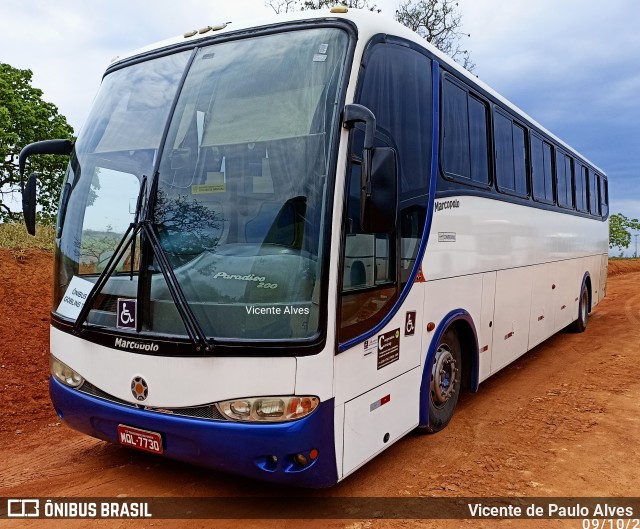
{"type": "Point", "coordinates": [63, 147]}
{"type": "Point", "coordinates": [379, 199]}
{"type": "Point", "coordinates": [379, 175]}
{"type": "Point", "coordinates": [29, 204]}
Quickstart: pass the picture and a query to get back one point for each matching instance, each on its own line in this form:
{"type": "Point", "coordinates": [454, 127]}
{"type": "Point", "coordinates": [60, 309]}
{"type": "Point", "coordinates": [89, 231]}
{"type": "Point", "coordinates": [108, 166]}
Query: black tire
{"type": "Point", "coordinates": [580, 325]}
{"type": "Point", "coordinates": [445, 384]}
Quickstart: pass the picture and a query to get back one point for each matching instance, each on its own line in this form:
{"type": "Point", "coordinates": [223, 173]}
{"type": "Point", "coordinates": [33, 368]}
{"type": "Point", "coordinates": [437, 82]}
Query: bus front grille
{"type": "Point", "coordinates": [207, 411]}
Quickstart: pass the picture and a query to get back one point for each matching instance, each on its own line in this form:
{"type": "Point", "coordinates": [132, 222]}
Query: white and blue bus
{"type": "Point", "coordinates": [281, 248]}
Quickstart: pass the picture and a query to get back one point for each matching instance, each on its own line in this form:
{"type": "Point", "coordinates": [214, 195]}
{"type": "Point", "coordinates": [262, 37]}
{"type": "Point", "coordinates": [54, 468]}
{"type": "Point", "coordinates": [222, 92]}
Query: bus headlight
{"type": "Point", "coordinates": [64, 373]}
{"type": "Point", "coordinates": [268, 409]}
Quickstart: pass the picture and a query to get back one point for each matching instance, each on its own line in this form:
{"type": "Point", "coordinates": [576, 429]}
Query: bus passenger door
{"type": "Point", "coordinates": [377, 369]}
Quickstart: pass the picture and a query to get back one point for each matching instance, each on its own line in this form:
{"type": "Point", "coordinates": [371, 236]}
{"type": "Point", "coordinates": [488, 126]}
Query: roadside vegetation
{"type": "Point", "coordinates": [14, 236]}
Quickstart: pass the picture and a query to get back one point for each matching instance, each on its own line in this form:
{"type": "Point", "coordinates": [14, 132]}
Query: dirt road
{"type": "Point", "coordinates": [564, 420]}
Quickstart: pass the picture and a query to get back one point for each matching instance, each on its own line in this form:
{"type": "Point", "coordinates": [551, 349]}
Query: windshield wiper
{"type": "Point", "coordinates": [147, 230]}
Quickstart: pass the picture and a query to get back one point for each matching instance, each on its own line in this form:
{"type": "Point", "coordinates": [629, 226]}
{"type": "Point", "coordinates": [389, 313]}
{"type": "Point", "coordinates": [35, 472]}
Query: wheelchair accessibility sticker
{"type": "Point", "coordinates": [410, 323]}
{"type": "Point", "coordinates": [126, 313]}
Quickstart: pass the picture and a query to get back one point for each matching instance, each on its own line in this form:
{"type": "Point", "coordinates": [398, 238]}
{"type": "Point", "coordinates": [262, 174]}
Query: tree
{"type": "Point", "coordinates": [24, 118]}
{"type": "Point", "coordinates": [438, 22]}
{"type": "Point", "coordinates": [619, 226]}
{"type": "Point", "coordinates": [285, 6]}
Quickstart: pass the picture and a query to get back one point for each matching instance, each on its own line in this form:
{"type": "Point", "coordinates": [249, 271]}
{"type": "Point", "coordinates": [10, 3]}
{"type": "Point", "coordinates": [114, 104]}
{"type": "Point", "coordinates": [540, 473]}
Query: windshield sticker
{"type": "Point", "coordinates": [126, 313]}
{"type": "Point", "coordinates": [216, 183]}
{"type": "Point", "coordinates": [323, 48]}
{"type": "Point", "coordinates": [207, 189]}
{"type": "Point", "coordinates": [388, 348]}
{"type": "Point", "coordinates": [74, 297]}
{"type": "Point", "coordinates": [318, 57]}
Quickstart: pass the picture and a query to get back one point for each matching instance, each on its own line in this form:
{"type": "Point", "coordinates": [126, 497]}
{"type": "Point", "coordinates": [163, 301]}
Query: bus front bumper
{"type": "Point", "coordinates": [261, 451]}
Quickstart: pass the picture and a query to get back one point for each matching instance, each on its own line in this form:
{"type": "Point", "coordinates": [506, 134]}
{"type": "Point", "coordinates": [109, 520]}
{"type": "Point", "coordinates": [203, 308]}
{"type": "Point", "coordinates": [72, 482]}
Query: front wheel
{"type": "Point", "coordinates": [580, 325]}
{"type": "Point", "coordinates": [446, 375]}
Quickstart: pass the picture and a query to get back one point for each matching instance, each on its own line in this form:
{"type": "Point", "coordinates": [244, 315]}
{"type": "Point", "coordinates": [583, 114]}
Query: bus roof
{"type": "Point", "coordinates": [368, 23]}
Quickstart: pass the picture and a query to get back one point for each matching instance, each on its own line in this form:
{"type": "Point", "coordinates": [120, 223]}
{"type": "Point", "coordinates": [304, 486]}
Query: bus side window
{"type": "Point", "coordinates": [541, 170]}
{"type": "Point", "coordinates": [369, 275]}
{"type": "Point", "coordinates": [594, 200]}
{"type": "Point", "coordinates": [465, 156]}
{"type": "Point", "coordinates": [581, 190]}
{"type": "Point", "coordinates": [564, 182]}
{"type": "Point", "coordinates": [604, 197]}
{"type": "Point", "coordinates": [396, 87]}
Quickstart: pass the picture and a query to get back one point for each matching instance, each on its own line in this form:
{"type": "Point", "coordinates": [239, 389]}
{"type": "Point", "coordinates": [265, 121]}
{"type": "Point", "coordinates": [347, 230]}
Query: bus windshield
{"type": "Point", "coordinates": [240, 197]}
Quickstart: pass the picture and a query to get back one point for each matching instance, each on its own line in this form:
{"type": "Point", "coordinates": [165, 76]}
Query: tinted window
{"type": "Point", "coordinates": [541, 170]}
{"type": "Point", "coordinates": [581, 189]}
{"type": "Point", "coordinates": [520, 159]}
{"type": "Point", "coordinates": [478, 141]}
{"type": "Point", "coordinates": [464, 135]}
{"type": "Point", "coordinates": [455, 145]}
{"type": "Point", "coordinates": [548, 171]}
{"type": "Point", "coordinates": [594, 199]}
{"type": "Point", "coordinates": [511, 156]}
{"type": "Point", "coordinates": [604, 197]}
{"type": "Point", "coordinates": [504, 153]}
{"type": "Point", "coordinates": [397, 88]}
{"type": "Point", "coordinates": [564, 182]}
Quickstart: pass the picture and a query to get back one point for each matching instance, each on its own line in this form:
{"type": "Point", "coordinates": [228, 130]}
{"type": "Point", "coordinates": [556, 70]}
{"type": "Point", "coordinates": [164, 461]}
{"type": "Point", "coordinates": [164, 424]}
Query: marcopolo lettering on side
{"type": "Point", "coordinates": [447, 204]}
{"type": "Point", "coordinates": [151, 347]}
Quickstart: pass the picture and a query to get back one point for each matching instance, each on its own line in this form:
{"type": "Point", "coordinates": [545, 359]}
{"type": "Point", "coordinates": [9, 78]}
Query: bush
{"type": "Point", "coordinates": [14, 236]}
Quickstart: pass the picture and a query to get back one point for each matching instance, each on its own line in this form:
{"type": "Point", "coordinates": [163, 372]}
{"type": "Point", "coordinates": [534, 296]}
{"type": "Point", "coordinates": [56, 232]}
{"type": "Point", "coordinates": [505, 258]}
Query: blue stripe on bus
{"type": "Point", "coordinates": [435, 146]}
{"type": "Point", "coordinates": [238, 448]}
{"type": "Point", "coordinates": [425, 385]}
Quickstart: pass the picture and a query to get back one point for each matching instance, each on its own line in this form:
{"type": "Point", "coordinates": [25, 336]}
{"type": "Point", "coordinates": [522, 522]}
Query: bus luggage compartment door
{"type": "Point", "coordinates": [376, 419]}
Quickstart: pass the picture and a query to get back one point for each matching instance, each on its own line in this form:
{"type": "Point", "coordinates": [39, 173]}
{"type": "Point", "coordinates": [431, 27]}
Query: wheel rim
{"type": "Point", "coordinates": [584, 306]}
{"type": "Point", "coordinates": [443, 376]}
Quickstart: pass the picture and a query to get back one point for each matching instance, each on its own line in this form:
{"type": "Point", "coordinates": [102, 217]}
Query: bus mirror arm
{"type": "Point", "coordinates": [63, 147]}
{"type": "Point", "coordinates": [360, 114]}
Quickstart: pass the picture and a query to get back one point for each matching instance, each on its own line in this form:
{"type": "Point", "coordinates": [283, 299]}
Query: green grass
{"type": "Point", "coordinates": [14, 236]}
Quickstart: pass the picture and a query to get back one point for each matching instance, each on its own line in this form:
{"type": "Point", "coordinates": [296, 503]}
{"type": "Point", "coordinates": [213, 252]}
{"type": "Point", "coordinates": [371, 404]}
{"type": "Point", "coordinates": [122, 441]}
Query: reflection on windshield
{"type": "Point", "coordinates": [241, 194]}
{"type": "Point", "coordinates": [116, 147]}
{"type": "Point", "coordinates": [242, 183]}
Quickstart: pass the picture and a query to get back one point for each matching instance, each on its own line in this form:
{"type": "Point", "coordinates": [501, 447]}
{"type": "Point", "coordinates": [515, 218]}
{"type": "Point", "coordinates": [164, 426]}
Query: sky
{"type": "Point", "coordinates": [573, 65]}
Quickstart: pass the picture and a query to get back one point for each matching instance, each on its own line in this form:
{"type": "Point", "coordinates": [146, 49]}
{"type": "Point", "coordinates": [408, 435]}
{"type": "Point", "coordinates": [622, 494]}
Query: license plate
{"type": "Point", "coordinates": [140, 439]}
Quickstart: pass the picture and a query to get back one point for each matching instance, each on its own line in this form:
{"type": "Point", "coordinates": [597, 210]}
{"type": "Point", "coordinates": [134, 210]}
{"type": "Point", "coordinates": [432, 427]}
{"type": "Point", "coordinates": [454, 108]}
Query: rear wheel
{"type": "Point", "coordinates": [446, 375]}
{"type": "Point", "coordinates": [580, 325]}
